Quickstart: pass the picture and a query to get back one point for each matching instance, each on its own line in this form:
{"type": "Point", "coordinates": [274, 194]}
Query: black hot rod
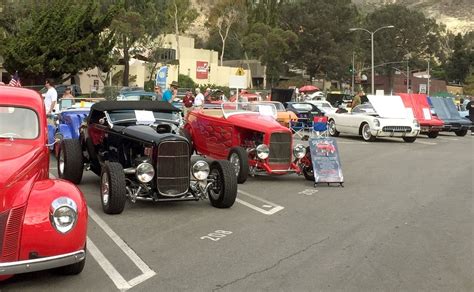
{"type": "Point", "coordinates": [137, 150]}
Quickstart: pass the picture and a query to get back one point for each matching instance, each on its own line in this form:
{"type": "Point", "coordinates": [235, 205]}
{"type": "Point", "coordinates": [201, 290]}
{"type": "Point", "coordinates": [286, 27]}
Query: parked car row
{"type": "Point", "coordinates": [141, 150]}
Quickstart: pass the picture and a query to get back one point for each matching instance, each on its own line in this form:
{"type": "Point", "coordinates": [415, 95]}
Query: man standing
{"type": "Point", "coordinates": [188, 101]}
{"type": "Point", "coordinates": [158, 93]}
{"type": "Point", "coordinates": [199, 99]}
{"type": "Point", "coordinates": [470, 109]}
{"type": "Point", "coordinates": [50, 99]}
{"type": "Point", "coordinates": [171, 92]}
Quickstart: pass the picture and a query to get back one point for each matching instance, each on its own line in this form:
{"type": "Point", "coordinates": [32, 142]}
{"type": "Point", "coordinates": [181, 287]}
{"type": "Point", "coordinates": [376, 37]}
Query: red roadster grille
{"type": "Point", "coordinates": [280, 150]}
{"type": "Point", "coordinates": [10, 233]}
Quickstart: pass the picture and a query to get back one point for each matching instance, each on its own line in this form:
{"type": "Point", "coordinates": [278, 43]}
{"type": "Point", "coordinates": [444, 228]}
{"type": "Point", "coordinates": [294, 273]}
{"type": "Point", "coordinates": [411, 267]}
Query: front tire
{"type": "Point", "coordinates": [366, 135]}
{"type": "Point", "coordinates": [460, 133]}
{"type": "Point", "coordinates": [308, 170]}
{"type": "Point", "coordinates": [433, 135]}
{"type": "Point", "coordinates": [112, 188]}
{"type": "Point", "coordinates": [409, 139]}
{"type": "Point", "coordinates": [70, 162]}
{"type": "Point", "coordinates": [224, 191]}
{"type": "Point", "coordinates": [238, 157]}
{"type": "Point", "coordinates": [74, 269]}
{"type": "Point", "coordinates": [332, 129]}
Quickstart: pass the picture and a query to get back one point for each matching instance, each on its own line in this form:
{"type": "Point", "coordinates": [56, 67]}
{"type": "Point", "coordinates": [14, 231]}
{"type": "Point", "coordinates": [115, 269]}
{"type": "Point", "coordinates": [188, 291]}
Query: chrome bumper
{"type": "Point", "coordinates": [39, 264]}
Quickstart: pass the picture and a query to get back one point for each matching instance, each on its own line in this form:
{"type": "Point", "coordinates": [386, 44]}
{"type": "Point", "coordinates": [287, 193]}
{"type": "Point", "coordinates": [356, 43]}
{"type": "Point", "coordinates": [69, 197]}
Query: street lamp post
{"type": "Point", "coordinates": [372, 46]}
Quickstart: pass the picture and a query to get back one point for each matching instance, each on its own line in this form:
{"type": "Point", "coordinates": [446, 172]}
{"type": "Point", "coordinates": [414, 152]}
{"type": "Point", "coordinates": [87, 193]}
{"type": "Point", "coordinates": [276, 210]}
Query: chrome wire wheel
{"type": "Point", "coordinates": [104, 188]}
{"type": "Point", "coordinates": [332, 128]}
{"type": "Point", "coordinates": [235, 160]}
{"type": "Point", "coordinates": [366, 132]}
{"type": "Point", "coordinates": [215, 190]}
{"type": "Point", "coordinates": [61, 163]}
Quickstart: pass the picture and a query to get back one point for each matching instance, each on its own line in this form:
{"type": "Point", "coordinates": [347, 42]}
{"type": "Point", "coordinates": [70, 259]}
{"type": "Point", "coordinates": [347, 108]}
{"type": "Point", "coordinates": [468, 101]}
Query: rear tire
{"type": "Point", "coordinates": [239, 159]}
{"type": "Point", "coordinates": [409, 139]}
{"type": "Point", "coordinates": [332, 129]}
{"type": "Point", "coordinates": [112, 188]}
{"type": "Point", "coordinates": [460, 133]}
{"type": "Point", "coordinates": [433, 135]}
{"type": "Point", "coordinates": [70, 163]}
{"type": "Point", "coordinates": [224, 191]}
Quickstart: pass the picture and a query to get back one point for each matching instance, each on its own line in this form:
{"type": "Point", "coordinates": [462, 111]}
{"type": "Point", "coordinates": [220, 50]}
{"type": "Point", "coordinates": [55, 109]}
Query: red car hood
{"type": "Point", "coordinates": [17, 163]}
{"type": "Point", "coordinates": [420, 108]}
{"type": "Point", "coordinates": [256, 122]}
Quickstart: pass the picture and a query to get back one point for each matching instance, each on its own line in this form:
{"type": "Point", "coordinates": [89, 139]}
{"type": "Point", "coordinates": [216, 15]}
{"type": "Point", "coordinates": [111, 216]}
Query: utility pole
{"type": "Point", "coordinates": [429, 76]}
{"type": "Point", "coordinates": [353, 73]}
{"type": "Point", "coordinates": [408, 77]}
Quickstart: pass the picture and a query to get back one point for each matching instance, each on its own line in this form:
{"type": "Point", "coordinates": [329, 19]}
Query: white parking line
{"type": "Point", "coordinates": [426, 143]}
{"type": "Point", "coordinates": [274, 207]}
{"type": "Point", "coordinates": [147, 272]}
{"type": "Point", "coordinates": [105, 264]}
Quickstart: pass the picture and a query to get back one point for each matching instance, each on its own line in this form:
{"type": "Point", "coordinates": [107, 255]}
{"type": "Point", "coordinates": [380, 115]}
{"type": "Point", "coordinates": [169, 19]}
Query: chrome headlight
{"type": "Point", "coordinates": [145, 172]}
{"type": "Point", "coordinates": [63, 214]}
{"type": "Point", "coordinates": [299, 151]}
{"type": "Point", "coordinates": [200, 170]}
{"type": "Point", "coordinates": [376, 123]}
{"type": "Point", "coordinates": [416, 123]}
{"type": "Point", "coordinates": [262, 151]}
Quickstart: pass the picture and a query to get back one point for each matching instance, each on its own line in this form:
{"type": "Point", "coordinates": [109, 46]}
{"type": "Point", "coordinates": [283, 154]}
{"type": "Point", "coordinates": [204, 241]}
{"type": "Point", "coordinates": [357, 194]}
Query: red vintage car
{"type": "Point", "coordinates": [248, 135]}
{"type": "Point", "coordinates": [43, 222]}
{"type": "Point", "coordinates": [418, 103]}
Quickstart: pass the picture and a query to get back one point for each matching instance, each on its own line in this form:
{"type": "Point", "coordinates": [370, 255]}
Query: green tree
{"type": "Point", "coordinates": [460, 62]}
{"type": "Point", "coordinates": [55, 40]}
{"type": "Point", "coordinates": [324, 45]}
{"type": "Point", "coordinates": [415, 36]}
{"type": "Point", "coordinates": [136, 24]}
{"type": "Point", "coordinates": [181, 15]}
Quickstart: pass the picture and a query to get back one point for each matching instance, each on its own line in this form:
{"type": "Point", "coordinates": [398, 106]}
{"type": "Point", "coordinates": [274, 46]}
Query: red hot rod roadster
{"type": "Point", "coordinates": [43, 222]}
{"type": "Point", "coordinates": [248, 135]}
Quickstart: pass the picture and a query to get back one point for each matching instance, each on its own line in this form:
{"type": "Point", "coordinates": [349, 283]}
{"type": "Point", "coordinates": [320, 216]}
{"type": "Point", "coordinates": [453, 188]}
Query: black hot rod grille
{"type": "Point", "coordinates": [11, 222]}
{"type": "Point", "coordinates": [280, 148]}
{"type": "Point", "coordinates": [173, 168]}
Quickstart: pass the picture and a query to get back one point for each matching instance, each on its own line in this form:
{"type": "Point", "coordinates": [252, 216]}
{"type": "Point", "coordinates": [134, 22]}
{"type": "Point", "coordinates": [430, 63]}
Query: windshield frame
{"type": "Point", "coordinates": [112, 123]}
{"type": "Point", "coordinates": [235, 108]}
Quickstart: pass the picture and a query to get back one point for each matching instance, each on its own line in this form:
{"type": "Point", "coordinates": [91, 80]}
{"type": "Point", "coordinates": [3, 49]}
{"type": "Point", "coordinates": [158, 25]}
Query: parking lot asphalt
{"type": "Point", "coordinates": [403, 221]}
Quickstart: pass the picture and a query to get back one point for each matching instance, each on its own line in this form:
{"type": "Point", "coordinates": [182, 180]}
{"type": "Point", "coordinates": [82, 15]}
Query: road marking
{"type": "Point", "coordinates": [275, 208]}
{"type": "Point", "coordinates": [146, 271]}
{"type": "Point", "coordinates": [426, 143]}
{"type": "Point", "coordinates": [108, 268]}
{"type": "Point", "coordinates": [105, 264]}
{"type": "Point", "coordinates": [308, 192]}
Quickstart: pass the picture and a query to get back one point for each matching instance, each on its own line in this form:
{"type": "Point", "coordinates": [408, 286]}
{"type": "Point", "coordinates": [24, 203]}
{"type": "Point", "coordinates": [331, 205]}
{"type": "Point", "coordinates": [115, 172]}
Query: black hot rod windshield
{"type": "Point", "coordinates": [142, 116]}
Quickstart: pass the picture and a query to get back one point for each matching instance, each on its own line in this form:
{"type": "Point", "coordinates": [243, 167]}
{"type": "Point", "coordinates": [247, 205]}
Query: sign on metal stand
{"type": "Point", "coordinates": [325, 160]}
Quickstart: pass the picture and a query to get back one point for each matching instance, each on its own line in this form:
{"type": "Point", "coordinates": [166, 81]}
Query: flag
{"type": "Point", "coordinates": [15, 81]}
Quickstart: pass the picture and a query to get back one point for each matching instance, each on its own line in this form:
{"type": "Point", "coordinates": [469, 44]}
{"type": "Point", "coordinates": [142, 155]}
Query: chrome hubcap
{"type": "Point", "coordinates": [104, 189]}
{"type": "Point", "coordinates": [366, 131]}
{"type": "Point", "coordinates": [61, 162]}
{"type": "Point", "coordinates": [215, 191]}
{"type": "Point", "coordinates": [234, 159]}
{"type": "Point", "coordinates": [332, 127]}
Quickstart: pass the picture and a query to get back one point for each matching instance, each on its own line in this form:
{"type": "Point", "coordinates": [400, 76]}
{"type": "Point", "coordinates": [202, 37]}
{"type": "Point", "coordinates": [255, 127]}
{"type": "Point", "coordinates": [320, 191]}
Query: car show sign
{"type": "Point", "coordinates": [202, 70]}
{"type": "Point", "coordinates": [325, 160]}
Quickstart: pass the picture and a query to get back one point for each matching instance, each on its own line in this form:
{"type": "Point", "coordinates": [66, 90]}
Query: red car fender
{"type": "Point", "coordinates": [38, 234]}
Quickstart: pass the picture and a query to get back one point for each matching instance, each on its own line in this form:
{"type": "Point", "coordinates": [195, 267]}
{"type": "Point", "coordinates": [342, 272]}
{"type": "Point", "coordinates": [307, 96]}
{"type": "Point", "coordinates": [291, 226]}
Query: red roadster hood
{"type": "Point", "coordinates": [18, 163]}
{"type": "Point", "coordinates": [256, 122]}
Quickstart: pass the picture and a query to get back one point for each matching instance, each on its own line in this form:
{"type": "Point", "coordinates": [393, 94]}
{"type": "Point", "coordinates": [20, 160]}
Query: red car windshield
{"type": "Point", "coordinates": [18, 123]}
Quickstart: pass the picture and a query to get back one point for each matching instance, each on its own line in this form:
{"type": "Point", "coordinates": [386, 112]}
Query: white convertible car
{"type": "Point", "coordinates": [384, 116]}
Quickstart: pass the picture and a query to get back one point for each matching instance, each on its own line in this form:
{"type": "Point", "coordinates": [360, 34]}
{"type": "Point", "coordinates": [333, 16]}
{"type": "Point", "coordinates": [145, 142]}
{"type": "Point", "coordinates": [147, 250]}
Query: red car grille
{"type": "Point", "coordinates": [280, 150]}
{"type": "Point", "coordinates": [10, 229]}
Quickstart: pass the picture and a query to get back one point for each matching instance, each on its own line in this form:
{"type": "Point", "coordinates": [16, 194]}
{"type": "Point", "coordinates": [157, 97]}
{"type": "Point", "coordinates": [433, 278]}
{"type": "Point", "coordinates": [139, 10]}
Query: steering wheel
{"type": "Point", "coordinates": [10, 135]}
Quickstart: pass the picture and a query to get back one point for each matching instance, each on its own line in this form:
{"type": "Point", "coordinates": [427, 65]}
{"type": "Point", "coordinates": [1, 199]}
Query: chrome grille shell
{"type": "Point", "coordinates": [173, 168]}
{"type": "Point", "coordinates": [397, 129]}
{"type": "Point", "coordinates": [280, 149]}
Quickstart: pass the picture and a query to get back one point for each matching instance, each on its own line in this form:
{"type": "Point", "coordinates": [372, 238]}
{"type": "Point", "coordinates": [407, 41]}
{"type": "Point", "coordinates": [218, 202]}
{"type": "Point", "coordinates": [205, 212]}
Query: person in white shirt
{"type": "Point", "coordinates": [199, 99]}
{"type": "Point", "coordinates": [50, 97]}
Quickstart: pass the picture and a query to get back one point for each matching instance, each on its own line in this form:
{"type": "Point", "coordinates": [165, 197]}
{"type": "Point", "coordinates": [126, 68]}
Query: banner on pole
{"type": "Point", "coordinates": [161, 76]}
{"type": "Point", "coordinates": [325, 159]}
{"type": "Point", "coordinates": [202, 70]}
